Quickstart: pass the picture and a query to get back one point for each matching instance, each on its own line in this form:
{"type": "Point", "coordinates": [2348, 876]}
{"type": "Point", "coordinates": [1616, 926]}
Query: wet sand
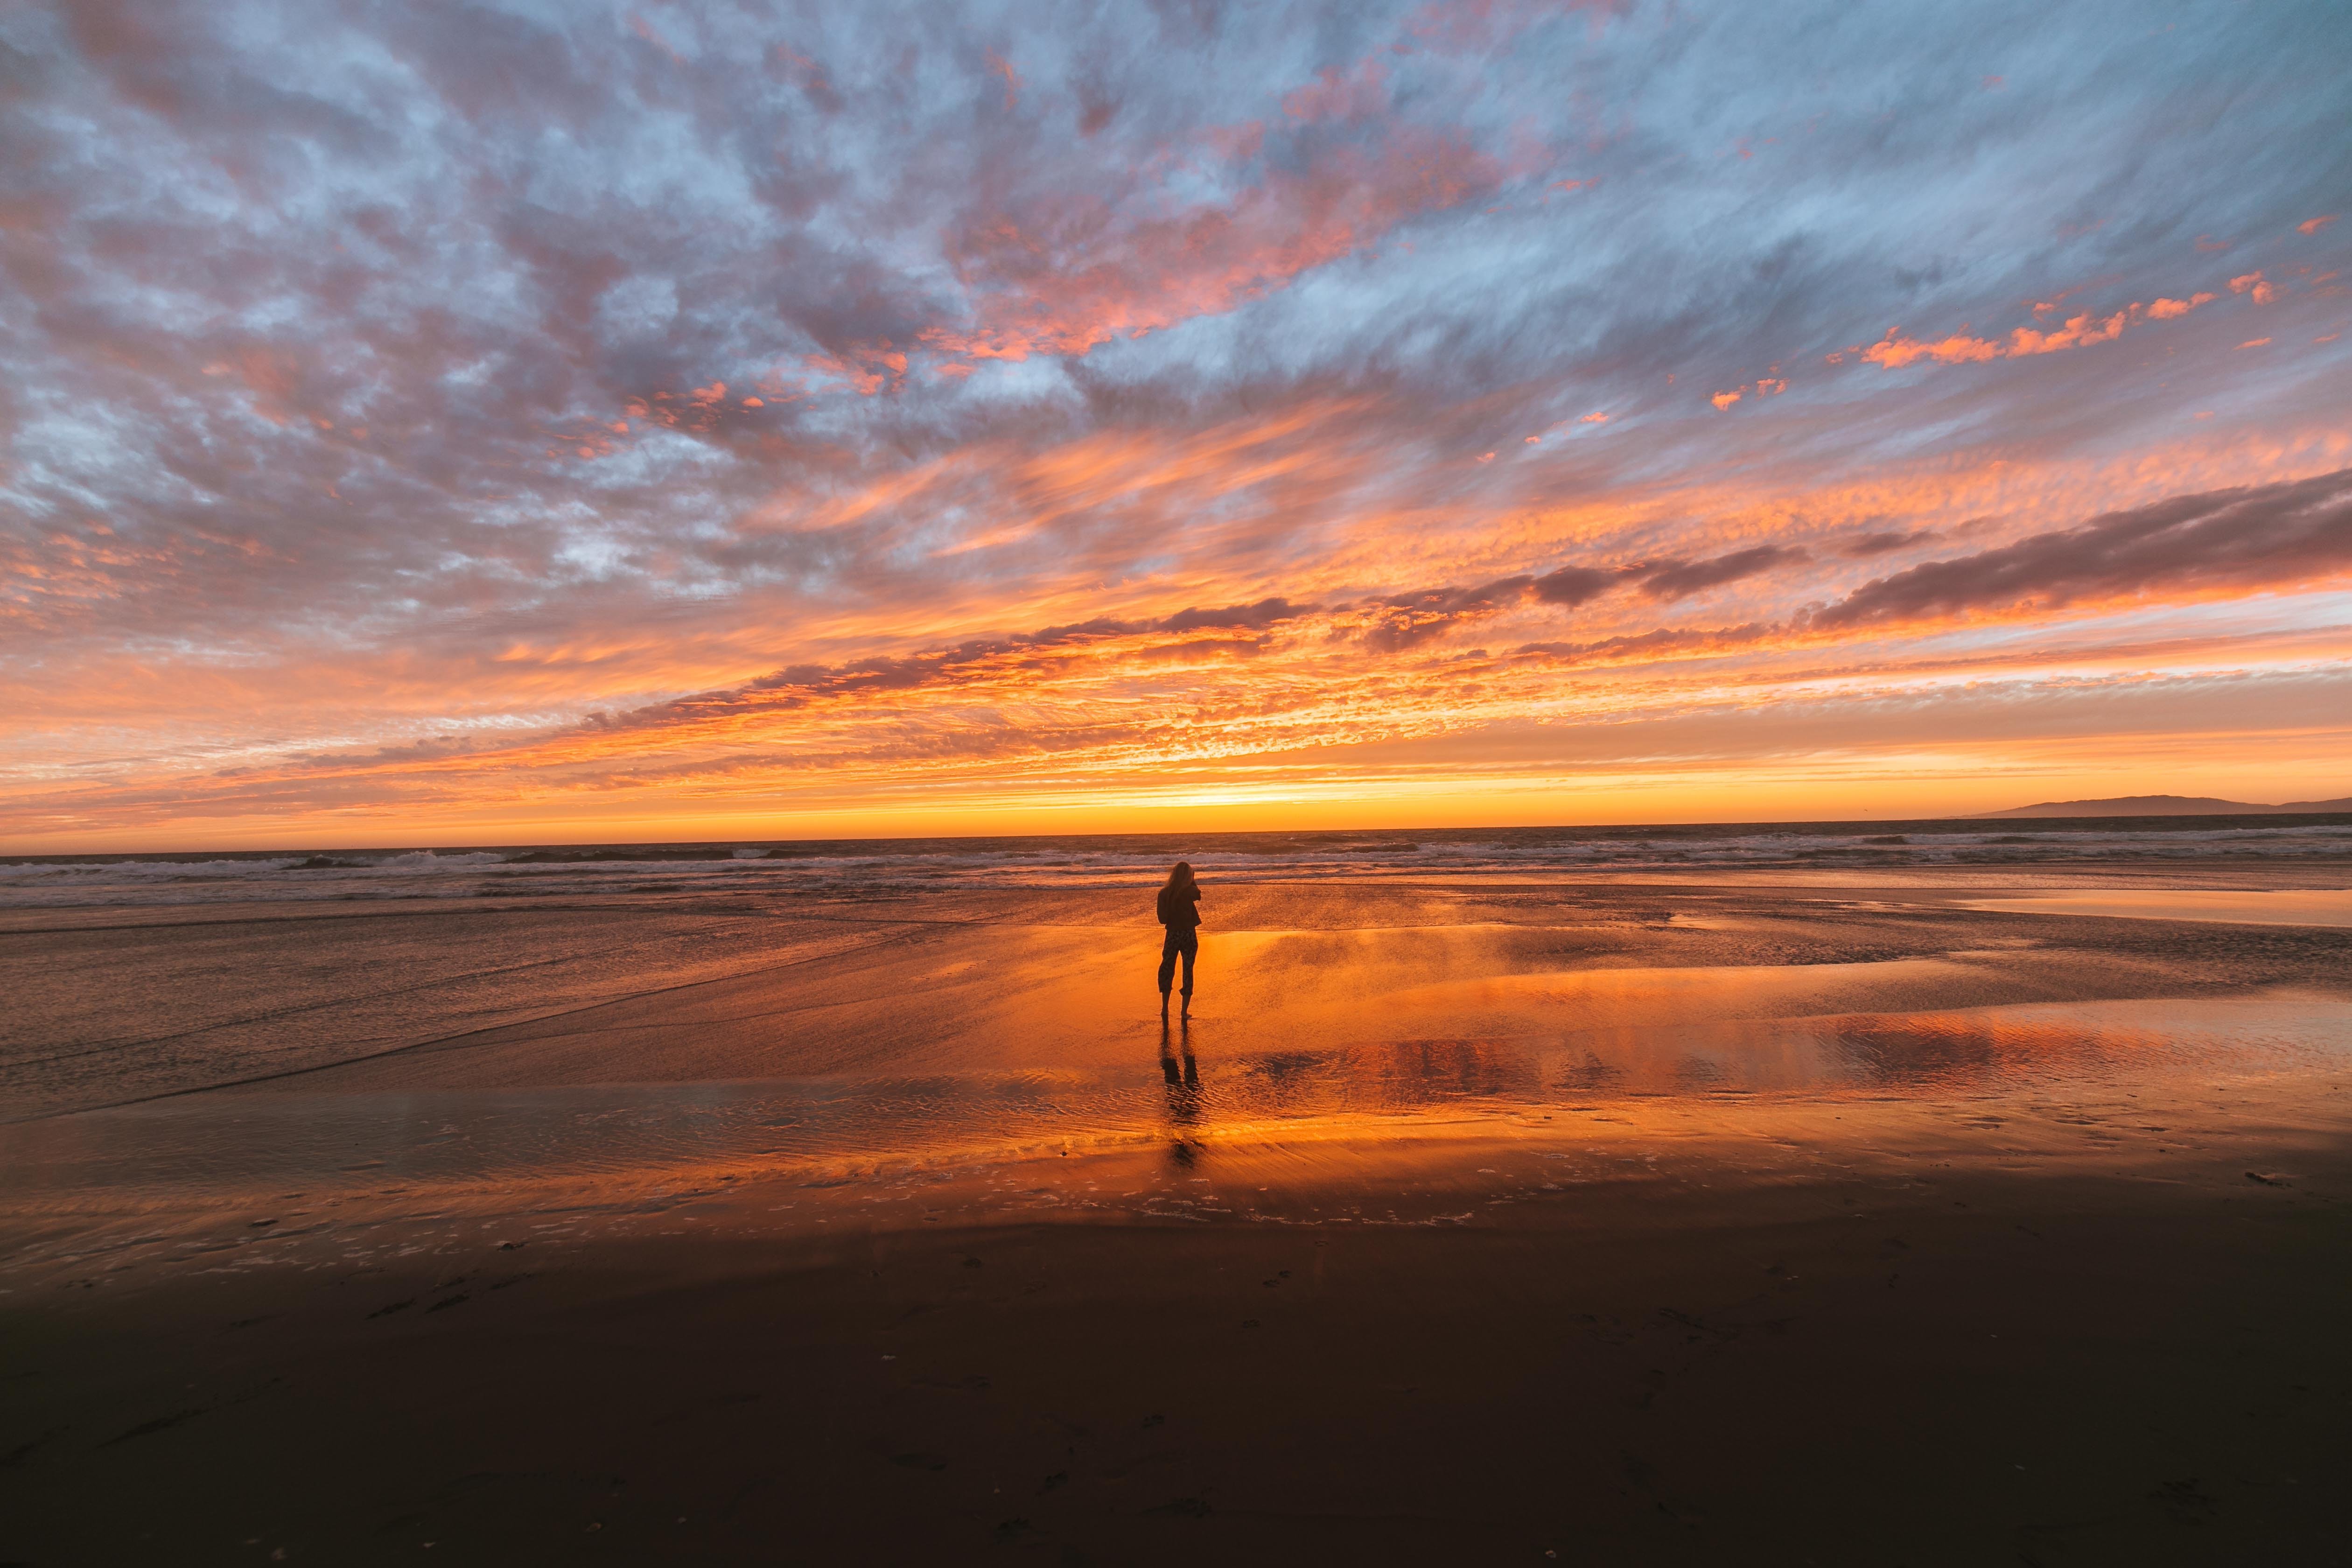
{"type": "Point", "coordinates": [114, 1007]}
{"type": "Point", "coordinates": [1677, 1221]}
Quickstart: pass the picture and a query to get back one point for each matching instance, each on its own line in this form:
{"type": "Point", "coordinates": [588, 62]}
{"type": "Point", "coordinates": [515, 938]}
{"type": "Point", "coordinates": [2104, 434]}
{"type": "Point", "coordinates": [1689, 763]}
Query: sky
{"type": "Point", "coordinates": [501, 423]}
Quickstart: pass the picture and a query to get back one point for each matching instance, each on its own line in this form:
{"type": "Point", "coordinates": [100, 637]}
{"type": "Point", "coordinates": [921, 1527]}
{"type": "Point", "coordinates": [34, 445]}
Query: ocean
{"type": "Point", "coordinates": [851, 867]}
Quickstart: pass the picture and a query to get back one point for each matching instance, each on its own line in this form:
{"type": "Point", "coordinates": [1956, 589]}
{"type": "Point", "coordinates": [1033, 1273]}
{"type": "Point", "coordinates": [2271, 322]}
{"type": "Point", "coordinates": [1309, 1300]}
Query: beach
{"type": "Point", "coordinates": [1776, 1196]}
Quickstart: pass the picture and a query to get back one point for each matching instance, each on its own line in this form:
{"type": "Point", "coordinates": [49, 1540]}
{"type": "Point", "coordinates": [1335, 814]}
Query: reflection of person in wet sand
{"type": "Point", "coordinates": [1184, 1095]}
{"type": "Point", "coordinates": [1190, 1077]}
{"type": "Point", "coordinates": [1180, 911]}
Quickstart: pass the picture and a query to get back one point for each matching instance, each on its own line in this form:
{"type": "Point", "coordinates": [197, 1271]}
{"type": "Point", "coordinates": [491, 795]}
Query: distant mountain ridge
{"type": "Point", "coordinates": [2165, 806]}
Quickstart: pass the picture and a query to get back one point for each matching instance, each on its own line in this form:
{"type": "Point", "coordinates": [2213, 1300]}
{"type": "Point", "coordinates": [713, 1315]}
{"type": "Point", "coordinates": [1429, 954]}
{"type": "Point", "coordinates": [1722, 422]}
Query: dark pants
{"type": "Point", "coordinates": [1186, 941]}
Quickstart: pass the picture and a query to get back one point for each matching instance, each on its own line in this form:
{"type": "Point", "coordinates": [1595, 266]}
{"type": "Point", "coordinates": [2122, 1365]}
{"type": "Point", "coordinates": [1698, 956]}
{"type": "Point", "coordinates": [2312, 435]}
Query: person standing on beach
{"type": "Point", "coordinates": [1180, 911]}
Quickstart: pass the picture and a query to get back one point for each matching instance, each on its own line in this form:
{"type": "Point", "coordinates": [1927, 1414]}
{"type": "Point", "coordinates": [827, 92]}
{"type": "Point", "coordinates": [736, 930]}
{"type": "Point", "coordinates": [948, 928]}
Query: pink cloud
{"type": "Point", "coordinates": [1357, 94]}
{"type": "Point", "coordinates": [1003, 68]}
{"type": "Point", "coordinates": [2252, 283]}
{"type": "Point", "coordinates": [868, 368]}
{"type": "Point", "coordinates": [1594, 419]}
{"type": "Point", "coordinates": [1065, 273]}
{"type": "Point", "coordinates": [644, 29]}
{"type": "Point", "coordinates": [1235, 143]}
{"type": "Point", "coordinates": [2255, 344]}
{"type": "Point", "coordinates": [1724, 399]}
{"type": "Point", "coordinates": [2314, 224]}
{"type": "Point", "coordinates": [1481, 25]}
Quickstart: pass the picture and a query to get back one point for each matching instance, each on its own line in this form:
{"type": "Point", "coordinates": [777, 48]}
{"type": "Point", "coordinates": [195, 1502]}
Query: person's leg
{"type": "Point", "coordinates": [1168, 965]}
{"type": "Point", "coordinates": [1191, 951]}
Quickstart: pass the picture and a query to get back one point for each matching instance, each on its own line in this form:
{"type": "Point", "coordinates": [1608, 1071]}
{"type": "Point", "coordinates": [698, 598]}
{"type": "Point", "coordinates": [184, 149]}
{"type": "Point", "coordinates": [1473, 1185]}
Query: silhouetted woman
{"type": "Point", "coordinates": [1180, 911]}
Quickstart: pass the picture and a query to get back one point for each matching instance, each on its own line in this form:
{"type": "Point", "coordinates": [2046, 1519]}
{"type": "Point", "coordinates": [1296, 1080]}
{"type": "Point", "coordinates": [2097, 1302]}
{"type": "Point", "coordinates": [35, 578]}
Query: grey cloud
{"type": "Point", "coordinates": [1862, 547]}
{"type": "Point", "coordinates": [1573, 585]}
{"type": "Point", "coordinates": [1681, 579]}
{"type": "Point", "coordinates": [1403, 621]}
{"type": "Point", "coordinates": [1665, 640]}
{"type": "Point", "coordinates": [797, 686]}
{"type": "Point", "coordinates": [2245, 537]}
{"type": "Point", "coordinates": [1265, 613]}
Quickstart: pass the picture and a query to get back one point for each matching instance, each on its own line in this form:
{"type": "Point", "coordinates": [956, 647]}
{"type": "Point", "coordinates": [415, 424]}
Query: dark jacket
{"type": "Point", "coordinates": [1179, 907]}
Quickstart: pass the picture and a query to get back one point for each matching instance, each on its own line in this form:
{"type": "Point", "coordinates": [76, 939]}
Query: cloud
{"type": "Point", "coordinates": [1235, 617]}
{"type": "Point", "coordinates": [2251, 284]}
{"type": "Point", "coordinates": [1863, 546]}
{"type": "Point", "coordinates": [2314, 224]}
{"type": "Point", "coordinates": [2253, 536]}
{"type": "Point", "coordinates": [1680, 579]}
{"type": "Point", "coordinates": [1062, 274]}
{"type": "Point", "coordinates": [1894, 351]}
{"type": "Point", "coordinates": [1407, 620]}
{"type": "Point", "coordinates": [1357, 93]}
{"type": "Point", "coordinates": [387, 372]}
{"type": "Point", "coordinates": [1573, 585]}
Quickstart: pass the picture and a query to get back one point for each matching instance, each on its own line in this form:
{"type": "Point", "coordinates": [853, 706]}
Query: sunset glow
{"type": "Point", "coordinates": [577, 424]}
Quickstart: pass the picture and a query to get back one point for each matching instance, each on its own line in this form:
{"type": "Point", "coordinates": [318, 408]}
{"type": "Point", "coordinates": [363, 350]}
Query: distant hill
{"type": "Point", "coordinates": [2165, 806]}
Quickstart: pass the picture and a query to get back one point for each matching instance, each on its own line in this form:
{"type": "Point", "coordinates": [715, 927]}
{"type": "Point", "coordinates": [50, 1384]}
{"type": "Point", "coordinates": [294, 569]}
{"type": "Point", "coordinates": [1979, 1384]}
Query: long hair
{"type": "Point", "coordinates": [1181, 879]}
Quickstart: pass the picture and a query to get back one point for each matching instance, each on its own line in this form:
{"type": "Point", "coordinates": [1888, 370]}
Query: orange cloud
{"type": "Point", "coordinates": [2252, 283]}
{"type": "Point", "coordinates": [2314, 224]}
{"type": "Point", "coordinates": [2080, 332]}
{"type": "Point", "coordinates": [1765, 386]}
{"type": "Point", "coordinates": [1894, 351]}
